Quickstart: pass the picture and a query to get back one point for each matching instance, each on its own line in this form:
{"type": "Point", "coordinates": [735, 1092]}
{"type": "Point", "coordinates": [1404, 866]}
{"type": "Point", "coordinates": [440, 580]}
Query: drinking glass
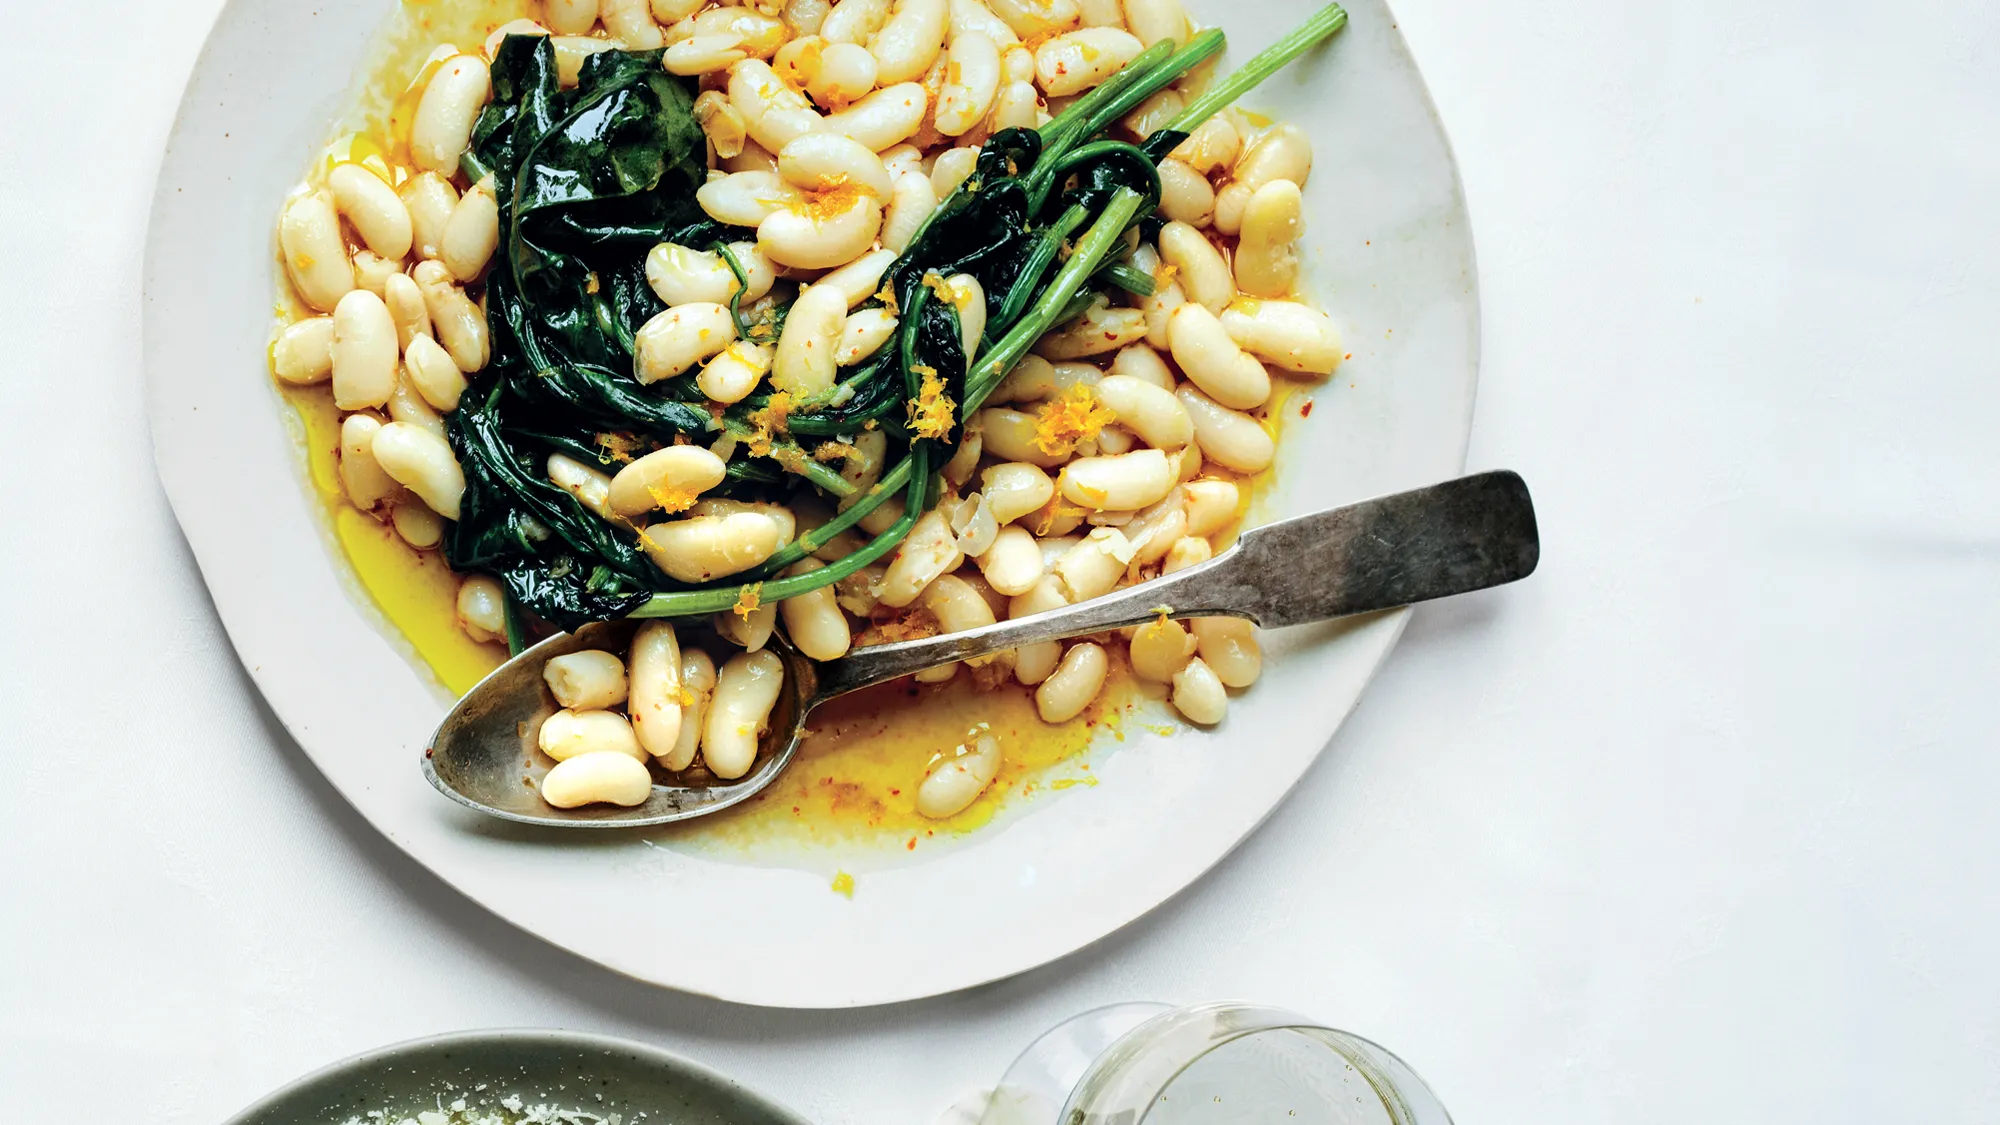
{"type": "Point", "coordinates": [1208, 1064]}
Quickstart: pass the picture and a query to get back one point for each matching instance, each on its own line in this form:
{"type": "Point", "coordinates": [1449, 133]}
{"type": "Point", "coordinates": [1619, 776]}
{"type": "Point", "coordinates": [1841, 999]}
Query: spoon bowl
{"type": "Point", "coordinates": [1454, 538]}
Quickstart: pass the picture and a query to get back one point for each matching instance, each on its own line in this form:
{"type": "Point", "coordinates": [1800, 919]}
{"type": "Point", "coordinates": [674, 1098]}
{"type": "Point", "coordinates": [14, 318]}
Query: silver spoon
{"type": "Point", "coordinates": [1452, 538]}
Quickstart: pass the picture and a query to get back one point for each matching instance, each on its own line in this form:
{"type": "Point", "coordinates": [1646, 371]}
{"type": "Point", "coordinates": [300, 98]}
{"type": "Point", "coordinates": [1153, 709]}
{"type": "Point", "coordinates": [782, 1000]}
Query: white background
{"type": "Point", "coordinates": [1698, 825]}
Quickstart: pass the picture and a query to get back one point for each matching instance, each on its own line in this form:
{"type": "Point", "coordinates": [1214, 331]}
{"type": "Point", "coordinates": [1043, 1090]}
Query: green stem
{"type": "Point", "coordinates": [517, 635]}
{"type": "Point", "coordinates": [1323, 24]}
{"type": "Point", "coordinates": [1199, 50]}
{"type": "Point", "coordinates": [1131, 279]}
{"type": "Point", "coordinates": [742, 286]}
{"type": "Point", "coordinates": [1068, 128]}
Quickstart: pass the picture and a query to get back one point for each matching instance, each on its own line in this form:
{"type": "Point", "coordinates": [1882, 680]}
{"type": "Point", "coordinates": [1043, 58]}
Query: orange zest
{"type": "Point", "coordinates": [1072, 418]}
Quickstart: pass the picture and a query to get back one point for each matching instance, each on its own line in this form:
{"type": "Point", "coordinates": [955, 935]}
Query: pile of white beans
{"type": "Point", "coordinates": [835, 129]}
{"type": "Point", "coordinates": [662, 702]}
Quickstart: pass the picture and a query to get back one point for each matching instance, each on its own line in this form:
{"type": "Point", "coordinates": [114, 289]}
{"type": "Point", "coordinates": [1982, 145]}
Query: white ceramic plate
{"type": "Point", "coordinates": [1391, 257]}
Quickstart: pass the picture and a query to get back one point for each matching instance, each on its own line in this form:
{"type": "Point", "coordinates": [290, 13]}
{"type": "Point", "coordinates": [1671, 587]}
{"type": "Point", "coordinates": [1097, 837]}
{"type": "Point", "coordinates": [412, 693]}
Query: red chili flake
{"type": "Point", "coordinates": [1306, 411]}
{"type": "Point", "coordinates": [913, 843]}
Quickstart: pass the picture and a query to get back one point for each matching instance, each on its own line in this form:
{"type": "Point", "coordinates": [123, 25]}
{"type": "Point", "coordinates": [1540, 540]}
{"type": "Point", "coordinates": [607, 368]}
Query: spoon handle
{"type": "Point", "coordinates": [1452, 538]}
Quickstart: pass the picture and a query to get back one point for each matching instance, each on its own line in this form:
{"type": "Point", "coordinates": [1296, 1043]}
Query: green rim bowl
{"type": "Point", "coordinates": [565, 1069]}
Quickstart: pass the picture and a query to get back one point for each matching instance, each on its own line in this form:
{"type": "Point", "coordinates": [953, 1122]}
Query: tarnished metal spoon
{"type": "Point", "coordinates": [1452, 538]}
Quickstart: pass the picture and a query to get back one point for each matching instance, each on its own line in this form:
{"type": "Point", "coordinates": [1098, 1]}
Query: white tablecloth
{"type": "Point", "coordinates": [1698, 825]}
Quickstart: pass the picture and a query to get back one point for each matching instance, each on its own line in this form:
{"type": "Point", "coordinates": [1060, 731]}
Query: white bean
{"type": "Point", "coordinates": [598, 779]}
{"type": "Point", "coordinates": [1160, 649]}
{"type": "Point", "coordinates": [1216, 363]}
{"type": "Point", "coordinates": [1124, 483]}
{"type": "Point", "coordinates": [709, 547]}
{"type": "Point", "coordinates": [590, 680]}
{"type": "Point", "coordinates": [1229, 646]}
{"type": "Point", "coordinates": [704, 54]}
{"type": "Point", "coordinates": [1076, 683]}
{"type": "Point", "coordinates": [473, 232]}
{"type": "Point", "coordinates": [734, 375]}
{"type": "Point", "coordinates": [1147, 409]}
{"type": "Point", "coordinates": [847, 73]}
{"type": "Point", "coordinates": [406, 308]}
{"type": "Point", "coordinates": [417, 525]}
{"type": "Point", "coordinates": [670, 479]}
{"type": "Point", "coordinates": [805, 17]}
{"type": "Point", "coordinates": [673, 342]}
{"type": "Point", "coordinates": [968, 299]}
{"type": "Point", "coordinates": [430, 200]}
{"type": "Point", "coordinates": [630, 22]}
{"type": "Point", "coordinates": [1154, 20]}
{"type": "Point", "coordinates": [1186, 553]}
{"type": "Point", "coordinates": [861, 278]}
{"type": "Point", "coordinates": [973, 17]}
{"type": "Point", "coordinates": [1034, 664]}
{"type": "Point", "coordinates": [1017, 107]}
{"type": "Point", "coordinates": [1013, 565]}
{"type": "Point", "coordinates": [680, 275]}
{"type": "Point", "coordinates": [572, 51]}
{"type": "Point", "coordinates": [748, 631]}
{"type": "Point", "coordinates": [1291, 335]}
{"type": "Point", "coordinates": [931, 550]}
{"type": "Point", "coordinates": [1142, 364]}
{"type": "Point", "coordinates": [432, 374]}
{"type": "Point", "coordinates": [1032, 19]}
{"type": "Point", "coordinates": [570, 17]}
{"type": "Point", "coordinates": [1214, 144]}
{"type": "Point", "coordinates": [855, 21]}
{"type": "Point", "coordinates": [774, 113]}
{"type": "Point", "coordinates": [574, 732]}
{"type": "Point", "coordinates": [910, 39]}
{"type": "Point", "coordinates": [1267, 259]}
{"type": "Point", "coordinates": [955, 782]}
{"type": "Point", "coordinates": [423, 463]}
{"type": "Point", "coordinates": [315, 256]}
{"type": "Point", "coordinates": [909, 209]}
{"type": "Point", "coordinates": [904, 160]}
{"type": "Point", "coordinates": [814, 621]}
{"type": "Point", "coordinates": [1282, 153]}
{"type": "Point", "coordinates": [591, 487]}
{"type": "Point", "coordinates": [364, 352]}
{"type": "Point", "coordinates": [372, 271]}
{"type": "Point", "coordinates": [760, 33]}
{"type": "Point", "coordinates": [1093, 568]}
{"type": "Point", "coordinates": [952, 168]}
{"type": "Point", "coordinates": [972, 84]}
{"type": "Point", "coordinates": [1198, 695]}
{"type": "Point", "coordinates": [827, 161]}
{"type": "Point", "coordinates": [1168, 296]}
{"type": "Point", "coordinates": [460, 324]}
{"type": "Point", "coordinates": [959, 607]}
{"type": "Point", "coordinates": [406, 405]}
{"type": "Point", "coordinates": [303, 352]}
{"type": "Point", "coordinates": [822, 233]}
{"type": "Point", "coordinates": [1083, 60]}
{"type": "Point", "coordinates": [1155, 113]}
{"type": "Point", "coordinates": [482, 608]}
{"type": "Point", "coordinates": [1016, 489]}
{"type": "Point", "coordinates": [697, 686]}
{"type": "Point", "coordinates": [361, 476]}
{"type": "Point", "coordinates": [1201, 268]}
{"type": "Point", "coordinates": [1186, 196]}
{"type": "Point", "coordinates": [1232, 438]}
{"type": "Point", "coordinates": [1011, 436]}
{"type": "Point", "coordinates": [1211, 506]}
{"type": "Point", "coordinates": [740, 711]}
{"type": "Point", "coordinates": [808, 354]}
{"type": "Point", "coordinates": [745, 199]}
{"type": "Point", "coordinates": [721, 124]}
{"type": "Point", "coordinates": [1102, 13]}
{"type": "Point", "coordinates": [883, 119]}
{"type": "Point", "coordinates": [670, 12]}
{"type": "Point", "coordinates": [373, 207]}
{"type": "Point", "coordinates": [655, 688]}
{"type": "Point", "coordinates": [447, 111]}
{"type": "Point", "coordinates": [864, 334]}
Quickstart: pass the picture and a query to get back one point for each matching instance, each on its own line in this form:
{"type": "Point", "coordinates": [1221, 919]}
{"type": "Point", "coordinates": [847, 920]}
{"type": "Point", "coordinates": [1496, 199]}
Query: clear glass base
{"type": "Point", "coordinates": [1208, 1064]}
